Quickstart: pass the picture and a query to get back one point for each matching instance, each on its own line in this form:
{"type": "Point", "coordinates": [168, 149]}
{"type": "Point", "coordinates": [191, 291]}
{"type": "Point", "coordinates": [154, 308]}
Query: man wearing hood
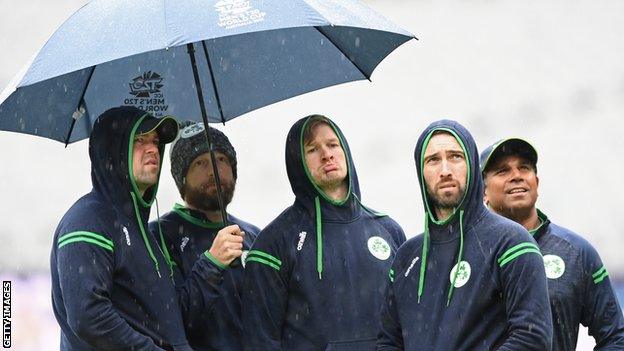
{"type": "Point", "coordinates": [578, 283]}
{"type": "Point", "coordinates": [192, 229]}
{"type": "Point", "coordinates": [315, 275]}
{"type": "Point", "coordinates": [474, 280]}
{"type": "Point", "coordinates": [112, 285]}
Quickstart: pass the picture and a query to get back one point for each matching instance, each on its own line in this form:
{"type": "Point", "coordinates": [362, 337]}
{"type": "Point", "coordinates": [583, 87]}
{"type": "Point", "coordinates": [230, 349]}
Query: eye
{"type": "Point", "coordinates": [311, 149]}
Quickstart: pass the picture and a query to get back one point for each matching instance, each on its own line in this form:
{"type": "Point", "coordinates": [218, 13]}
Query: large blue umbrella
{"type": "Point", "coordinates": [239, 55]}
{"type": "Point", "coordinates": [204, 60]}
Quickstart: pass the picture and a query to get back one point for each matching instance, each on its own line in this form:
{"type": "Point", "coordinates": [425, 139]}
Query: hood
{"type": "Point", "coordinates": [110, 149]}
{"type": "Point", "coordinates": [306, 191]}
{"type": "Point", "coordinates": [472, 201]}
{"type": "Point", "coordinates": [309, 196]}
{"type": "Point", "coordinates": [466, 213]}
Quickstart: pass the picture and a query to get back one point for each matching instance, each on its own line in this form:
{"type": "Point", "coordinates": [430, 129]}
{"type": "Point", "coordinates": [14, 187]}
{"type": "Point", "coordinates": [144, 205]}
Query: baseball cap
{"type": "Point", "coordinates": [506, 147]}
{"type": "Point", "coordinates": [166, 127]}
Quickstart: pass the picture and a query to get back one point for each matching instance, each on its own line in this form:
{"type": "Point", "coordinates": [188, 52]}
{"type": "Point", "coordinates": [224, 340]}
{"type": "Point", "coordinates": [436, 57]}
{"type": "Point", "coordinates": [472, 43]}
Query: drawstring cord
{"type": "Point", "coordinates": [163, 243]}
{"type": "Point", "coordinates": [145, 240]}
{"type": "Point", "coordinates": [459, 257]}
{"type": "Point", "coordinates": [319, 238]}
{"type": "Point", "coordinates": [423, 262]}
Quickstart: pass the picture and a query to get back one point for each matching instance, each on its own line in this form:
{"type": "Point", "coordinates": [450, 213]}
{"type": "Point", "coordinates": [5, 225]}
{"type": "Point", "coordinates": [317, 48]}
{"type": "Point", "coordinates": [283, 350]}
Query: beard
{"type": "Point", "coordinates": [205, 199]}
{"type": "Point", "coordinates": [447, 202]}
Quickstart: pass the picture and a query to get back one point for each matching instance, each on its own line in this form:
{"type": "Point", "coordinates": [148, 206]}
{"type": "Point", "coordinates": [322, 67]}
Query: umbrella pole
{"type": "Point", "coordinates": [202, 106]}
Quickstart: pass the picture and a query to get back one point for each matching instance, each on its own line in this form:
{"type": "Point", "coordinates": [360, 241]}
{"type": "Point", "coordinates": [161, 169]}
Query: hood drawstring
{"type": "Point", "coordinates": [163, 243]}
{"type": "Point", "coordinates": [145, 240]}
{"type": "Point", "coordinates": [319, 238]}
{"type": "Point", "coordinates": [459, 256]}
{"type": "Point", "coordinates": [425, 249]}
{"type": "Point", "coordinates": [423, 262]}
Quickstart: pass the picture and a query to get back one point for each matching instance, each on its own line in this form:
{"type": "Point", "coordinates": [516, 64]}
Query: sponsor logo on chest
{"type": "Point", "coordinates": [125, 231]}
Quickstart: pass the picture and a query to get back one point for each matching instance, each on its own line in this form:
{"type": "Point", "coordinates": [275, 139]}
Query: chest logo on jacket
{"type": "Point", "coordinates": [244, 257]}
{"type": "Point", "coordinates": [463, 274]}
{"type": "Point", "coordinates": [185, 241]}
{"type": "Point", "coordinates": [554, 266]}
{"type": "Point", "coordinates": [302, 237]}
{"type": "Point", "coordinates": [125, 231]}
{"type": "Point", "coordinates": [379, 247]}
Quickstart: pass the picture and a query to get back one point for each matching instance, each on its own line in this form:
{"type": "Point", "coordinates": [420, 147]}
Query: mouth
{"type": "Point", "coordinates": [330, 168]}
{"type": "Point", "coordinates": [517, 190]}
{"type": "Point", "coordinates": [151, 162]}
{"type": "Point", "coordinates": [446, 186]}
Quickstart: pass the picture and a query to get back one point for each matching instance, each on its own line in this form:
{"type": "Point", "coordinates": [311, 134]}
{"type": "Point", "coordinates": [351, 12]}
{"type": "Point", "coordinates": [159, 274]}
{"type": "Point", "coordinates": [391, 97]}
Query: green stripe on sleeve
{"type": "Point", "coordinates": [263, 261]}
{"type": "Point", "coordinates": [519, 253]}
{"type": "Point", "coordinates": [514, 250]}
{"type": "Point", "coordinates": [91, 235]}
{"type": "Point", "coordinates": [85, 240]}
{"type": "Point", "coordinates": [265, 255]}
{"type": "Point", "coordinates": [600, 275]}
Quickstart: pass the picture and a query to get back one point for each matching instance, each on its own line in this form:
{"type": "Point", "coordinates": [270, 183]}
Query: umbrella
{"type": "Point", "coordinates": [202, 60]}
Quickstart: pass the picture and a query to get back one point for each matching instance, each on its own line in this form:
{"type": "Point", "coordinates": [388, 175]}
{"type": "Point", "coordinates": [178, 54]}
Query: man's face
{"type": "Point", "coordinates": [511, 185]}
{"type": "Point", "coordinates": [200, 188]}
{"type": "Point", "coordinates": [325, 157]}
{"type": "Point", "coordinates": [145, 160]}
{"type": "Point", "coordinates": [445, 171]}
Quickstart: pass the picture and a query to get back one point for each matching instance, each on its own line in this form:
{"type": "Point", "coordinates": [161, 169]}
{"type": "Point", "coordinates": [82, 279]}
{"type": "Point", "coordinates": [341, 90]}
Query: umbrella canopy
{"type": "Point", "coordinates": [247, 54]}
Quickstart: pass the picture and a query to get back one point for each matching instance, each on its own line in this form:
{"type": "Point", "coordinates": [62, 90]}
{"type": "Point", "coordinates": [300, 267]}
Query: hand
{"type": "Point", "coordinates": [227, 244]}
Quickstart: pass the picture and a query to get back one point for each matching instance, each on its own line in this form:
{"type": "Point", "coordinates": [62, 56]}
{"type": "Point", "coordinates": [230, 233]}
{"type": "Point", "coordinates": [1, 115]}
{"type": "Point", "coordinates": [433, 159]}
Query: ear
{"type": "Point", "coordinates": [485, 197]}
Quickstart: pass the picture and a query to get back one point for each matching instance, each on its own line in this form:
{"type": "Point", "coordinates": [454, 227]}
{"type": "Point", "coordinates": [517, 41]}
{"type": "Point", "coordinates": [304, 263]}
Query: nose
{"type": "Point", "coordinates": [516, 175]}
{"type": "Point", "coordinates": [326, 154]}
{"type": "Point", "coordinates": [446, 169]}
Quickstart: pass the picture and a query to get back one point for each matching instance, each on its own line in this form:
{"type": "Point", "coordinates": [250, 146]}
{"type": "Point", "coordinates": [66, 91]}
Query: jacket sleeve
{"type": "Point", "coordinates": [601, 311]}
{"type": "Point", "coordinates": [525, 292]}
{"type": "Point", "coordinates": [390, 337]}
{"type": "Point", "coordinates": [265, 295]}
{"type": "Point", "coordinates": [85, 267]}
{"type": "Point", "coordinates": [200, 289]}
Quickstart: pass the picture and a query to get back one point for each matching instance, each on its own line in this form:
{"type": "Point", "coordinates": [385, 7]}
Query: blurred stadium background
{"type": "Point", "coordinates": [550, 71]}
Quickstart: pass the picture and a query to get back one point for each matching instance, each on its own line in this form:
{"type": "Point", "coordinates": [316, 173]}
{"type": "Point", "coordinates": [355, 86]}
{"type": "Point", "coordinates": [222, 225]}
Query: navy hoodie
{"type": "Point", "coordinates": [316, 274]}
{"type": "Point", "coordinates": [474, 281]}
{"type": "Point", "coordinates": [580, 289]}
{"type": "Point", "coordinates": [188, 234]}
{"type": "Point", "coordinates": [112, 285]}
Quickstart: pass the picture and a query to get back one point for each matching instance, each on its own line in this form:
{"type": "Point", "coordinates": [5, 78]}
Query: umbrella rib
{"type": "Point", "coordinates": [80, 102]}
{"type": "Point", "coordinates": [214, 83]}
{"type": "Point", "coordinates": [319, 29]}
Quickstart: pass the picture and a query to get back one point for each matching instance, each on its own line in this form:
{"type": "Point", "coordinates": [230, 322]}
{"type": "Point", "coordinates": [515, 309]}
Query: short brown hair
{"type": "Point", "coordinates": [313, 121]}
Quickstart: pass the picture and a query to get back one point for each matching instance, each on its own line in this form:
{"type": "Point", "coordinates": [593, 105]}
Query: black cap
{"type": "Point", "coordinates": [166, 128]}
{"type": "Point", "coordinates": [506, 147]}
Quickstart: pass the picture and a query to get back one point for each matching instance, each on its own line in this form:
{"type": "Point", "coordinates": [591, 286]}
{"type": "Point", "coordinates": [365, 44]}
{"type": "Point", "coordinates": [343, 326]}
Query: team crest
{"type": "Point", "coordinates": [463, 274]}
{"type": "Point", "coordinates": [554, 266]}
{"type": "Point", "coordinates": [379, 247]}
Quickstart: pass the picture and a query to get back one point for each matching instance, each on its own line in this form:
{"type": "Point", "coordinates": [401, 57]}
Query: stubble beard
{"type": "Point", "coordinates": [446, 202]}
{"type": "Point", "coordinates": [200, 198]}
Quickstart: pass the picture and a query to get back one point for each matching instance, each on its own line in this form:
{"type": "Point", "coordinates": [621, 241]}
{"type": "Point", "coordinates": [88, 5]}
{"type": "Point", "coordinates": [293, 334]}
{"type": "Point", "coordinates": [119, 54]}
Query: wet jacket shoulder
{"type": "Point", "coordinates": [580, 289]}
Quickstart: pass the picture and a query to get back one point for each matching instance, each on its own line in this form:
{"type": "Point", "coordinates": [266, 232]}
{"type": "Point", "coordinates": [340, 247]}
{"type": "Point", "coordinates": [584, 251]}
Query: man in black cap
{"type": "Point", "coordinates": [578, 283]}
{"type": "Point", "coordinates": [112, 283]}
{"type": "Point", "coordinates": [193, 228]}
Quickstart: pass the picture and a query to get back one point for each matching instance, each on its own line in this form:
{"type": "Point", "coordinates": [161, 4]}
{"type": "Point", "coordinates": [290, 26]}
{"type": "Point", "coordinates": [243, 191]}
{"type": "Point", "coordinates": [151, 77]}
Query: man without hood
{"type": "Point", "coordinates": [112, 285]}
{"type": "Point", "coordinates": [192, 229]}
{"type": "Point", "coordinates": [474, 280]}
{"type": "Point", "coordinates": [315, 276]}
{"type": "Point", "coordinates": [578, 283]}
